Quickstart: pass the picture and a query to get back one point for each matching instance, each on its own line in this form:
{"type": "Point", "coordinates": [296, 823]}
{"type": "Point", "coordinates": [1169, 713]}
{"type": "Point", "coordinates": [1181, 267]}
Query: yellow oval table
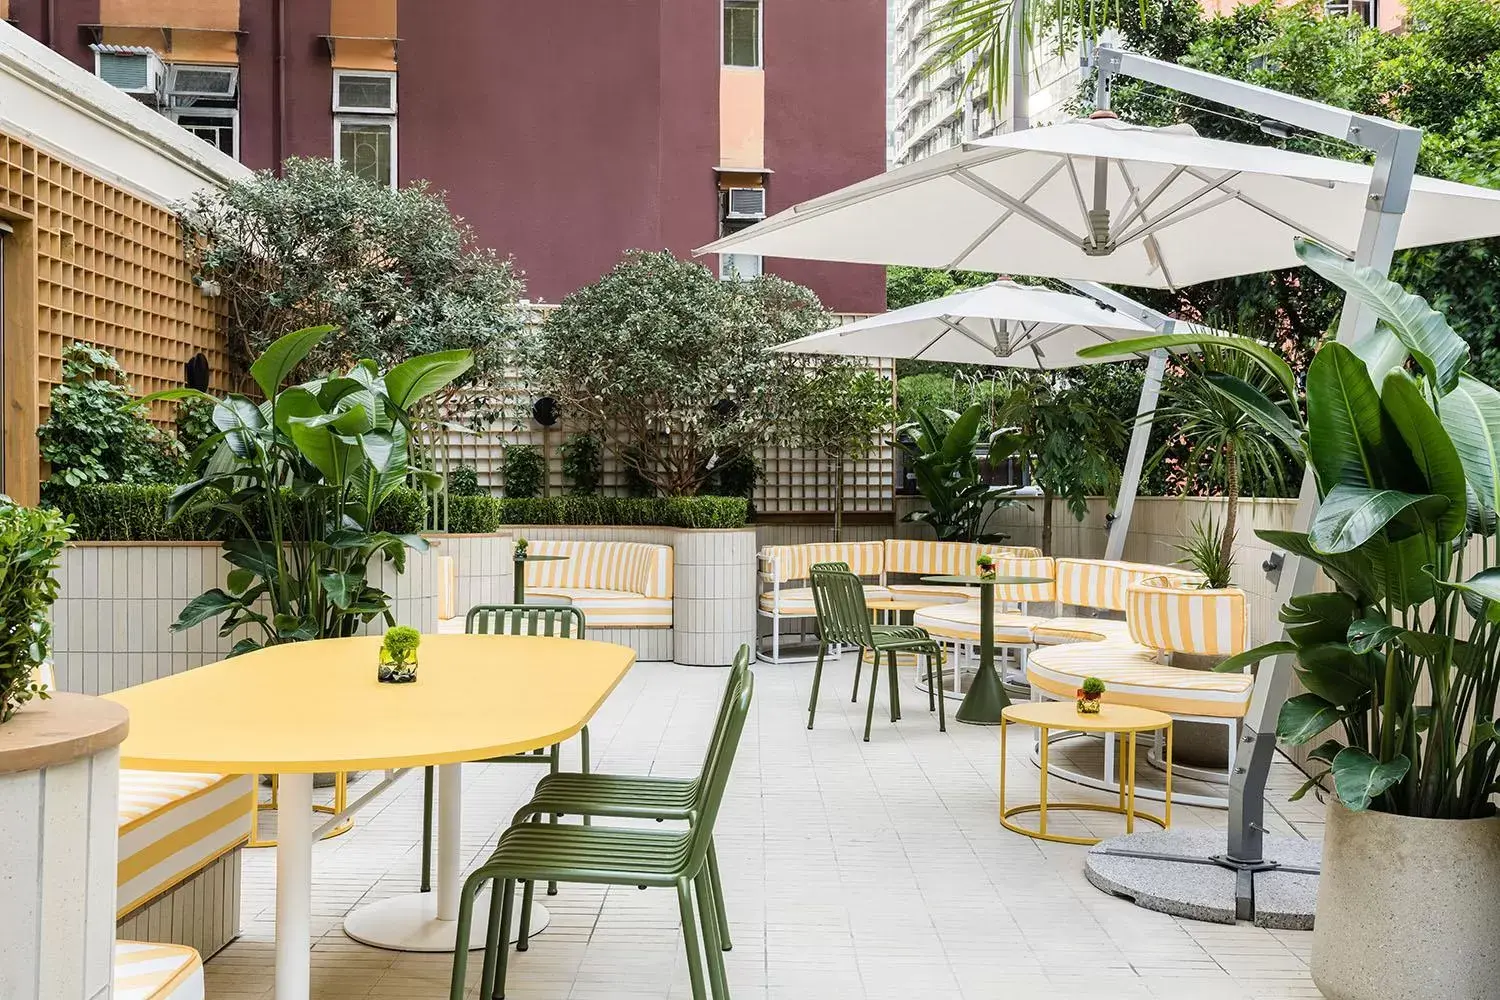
{"type": "Point", "coordinates": [301, 708]}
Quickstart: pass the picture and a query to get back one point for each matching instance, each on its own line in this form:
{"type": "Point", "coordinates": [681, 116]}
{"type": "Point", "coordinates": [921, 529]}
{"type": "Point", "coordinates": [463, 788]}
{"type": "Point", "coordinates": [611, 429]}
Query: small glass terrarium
{"type": "Point", "coordinates": [985, 565]}
{"type": "Point", "coordinates": [398, 655]}
{"type": "Point", "coordinates": [1090, 696]}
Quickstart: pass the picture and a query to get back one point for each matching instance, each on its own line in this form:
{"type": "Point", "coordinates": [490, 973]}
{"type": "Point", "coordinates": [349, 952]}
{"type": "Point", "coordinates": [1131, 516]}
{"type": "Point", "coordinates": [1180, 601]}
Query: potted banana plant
{"type": "Point", "coordinates": [1401, 659]}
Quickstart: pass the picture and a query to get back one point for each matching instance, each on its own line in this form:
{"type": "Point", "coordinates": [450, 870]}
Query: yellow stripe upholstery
{"type": "Point", "coordinates": [912, 555]}
{"type": "Point", "coordinates": [797, 602]}
{"type": "Point", "coordinates": [157, 972]}
{"type": "Point", "coordinates": [961, 622]}
{"type": "Point", "coordinates": [173, 825]}
{"type": "Point", "coordinates": [1058, 630]}
{"type": "Point", "coordinates": [781, 563]}
{"type": "Point", "coordinates": [1037, 566]}
{"type": "Point", "coordinates": [1166, 613]}
{"type": "Point", "coordinates": [1097, 583]}
{"type": "Point", "coordinates": [632, 567]}
{"type": "Point", "coordinates": [613, 608]}
{"type": "Point", "coordinates": [1133, 677]}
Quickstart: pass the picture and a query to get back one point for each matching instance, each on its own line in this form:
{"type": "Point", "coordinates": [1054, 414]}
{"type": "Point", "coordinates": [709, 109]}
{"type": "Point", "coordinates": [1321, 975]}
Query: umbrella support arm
{"type": "Point", "coordinates": [1395, 148]}
{"type": "Point", "coordinates": [1135, 458]}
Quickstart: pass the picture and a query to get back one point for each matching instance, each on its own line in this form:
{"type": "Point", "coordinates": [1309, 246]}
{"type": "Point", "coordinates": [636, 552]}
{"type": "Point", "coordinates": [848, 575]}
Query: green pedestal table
{"type": "Point", "coordinates": [986, 697]}
{"type": "Point", "coordinates": [521, 562]}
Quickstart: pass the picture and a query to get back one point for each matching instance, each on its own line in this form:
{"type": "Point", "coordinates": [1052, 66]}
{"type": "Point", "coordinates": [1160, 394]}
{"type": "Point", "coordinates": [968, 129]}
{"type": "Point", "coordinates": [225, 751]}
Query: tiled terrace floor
{"type": "Point", "coordinates": [851, 870]}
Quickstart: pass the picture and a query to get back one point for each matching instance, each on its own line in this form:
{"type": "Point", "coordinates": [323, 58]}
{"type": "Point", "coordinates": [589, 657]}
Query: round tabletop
{"type": "Point", "coordinates": [528, 557]}
{"type": "Point", "coordinates": [316, 706]}
{"type": "Point", "coordinates": [1065, 715]}
{"type": "Point", "coordinates": [988, 581]}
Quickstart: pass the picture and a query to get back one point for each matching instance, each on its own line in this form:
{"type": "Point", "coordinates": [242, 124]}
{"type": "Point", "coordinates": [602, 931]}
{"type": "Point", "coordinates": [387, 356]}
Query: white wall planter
{"type": "Point", "coordinates": [1407, 908]}
{"type": "Point", "coordinates": [59, 815]}
{"type": "Point", "coordinates": [117, 601]}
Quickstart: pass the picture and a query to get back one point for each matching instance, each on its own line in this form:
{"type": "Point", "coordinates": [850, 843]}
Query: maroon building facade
{"type": "Point", "coordinates": [565, 133]}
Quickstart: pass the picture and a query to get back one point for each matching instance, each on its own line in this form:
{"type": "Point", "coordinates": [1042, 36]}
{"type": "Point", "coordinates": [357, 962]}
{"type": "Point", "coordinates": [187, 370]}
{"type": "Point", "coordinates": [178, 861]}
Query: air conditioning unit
{"type": "Point", "coordinates": [203, 81]}
{"type": "Point", "coordinates": [746, 203]}
{"type": "Point", "coordinates": [135, 69]}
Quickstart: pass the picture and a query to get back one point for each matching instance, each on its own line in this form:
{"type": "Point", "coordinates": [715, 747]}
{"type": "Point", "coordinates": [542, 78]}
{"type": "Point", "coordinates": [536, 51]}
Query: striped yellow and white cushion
{"type": "Point", "coordinates": [1039, 567]}
{"type": "Point", "coordinates": [1132, 677]}
{"type": "Point", "coordinates": [961, 622]}
{"type": "Point", "coordinates": [613, 608]}
{"type": "Point", "coordinates": [781, 563]}
{"type": "Point", "coordinates": [173, 825]}
{"type": "Point", "coordinates": [918, 555]}
{"type": "Point", "coordinates": [157, 972]}
{"type": "Point", "coordinates": [631, 567]}
{"type": "Point", "coordinates": [1098, 583]}
{"type": "Point", "coordinates": [797, 602]}
{"type": "Point", "coordinates": [1053, 631]}
{"type": "Point", "coordinates": [1165, 614]}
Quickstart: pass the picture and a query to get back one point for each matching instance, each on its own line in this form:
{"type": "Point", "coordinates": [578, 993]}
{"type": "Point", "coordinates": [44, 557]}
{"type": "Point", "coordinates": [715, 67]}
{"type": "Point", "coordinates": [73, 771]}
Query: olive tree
{"type": "Point", "coordinates": [671, 366]}
{"type": "Point", "coordinates": [841, 410]}
{"type": "Point", "coordinates": [394, 270]}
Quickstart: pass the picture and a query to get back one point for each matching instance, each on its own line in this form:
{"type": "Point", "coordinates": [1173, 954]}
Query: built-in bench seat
{"type": "Point", "coordinates": [157, 972]}
{"type": "Point", "coordinates": [614, 584]}
{"type": "Point", "coordinates": [797, 602]}
{"type": "Point", "coordinates": [172, 826]}
{"type": "Point", "coordinates": [1134, 676]}
{"type": "Point", "coordinates": [960, 622]}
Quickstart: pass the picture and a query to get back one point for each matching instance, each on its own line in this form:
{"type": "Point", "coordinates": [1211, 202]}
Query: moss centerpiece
{"type": "Point", "coordinates": [1090, 696]}
{"type": "Point", "coordinates": [985, 564]}
{"type": "Point", "coordinates": [398, 655]}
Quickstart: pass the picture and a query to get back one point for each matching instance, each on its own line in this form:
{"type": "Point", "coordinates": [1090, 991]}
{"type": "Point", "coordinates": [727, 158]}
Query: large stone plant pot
{"type": "Point", "coordinates": [1408, 909]}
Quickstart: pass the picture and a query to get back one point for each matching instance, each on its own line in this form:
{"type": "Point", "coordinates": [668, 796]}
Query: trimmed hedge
{"type": "Point", "coordinates": [136, 512]}
{"type": "Point", "coordinates": [480, 515]}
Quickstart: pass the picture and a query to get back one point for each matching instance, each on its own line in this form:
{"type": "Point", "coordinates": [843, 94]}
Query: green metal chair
{"type": "Point", "coordinates": [605, 856]}
{"type": "Point", "coordinates": [553, 621]}
{"type": "Point", "coordinates": [632, 797]}
{"type": "Point", "coordinates": [844, 621]}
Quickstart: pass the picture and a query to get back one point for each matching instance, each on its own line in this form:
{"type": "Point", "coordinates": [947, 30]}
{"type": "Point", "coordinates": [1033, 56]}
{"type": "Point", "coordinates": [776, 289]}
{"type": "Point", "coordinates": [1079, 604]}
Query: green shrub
{"type": "Point", "coordinates": [97, 432]}
{"type": "Point", "coordinates": [582, 465]}
{"type": "Point", "coordinates": [665, 512]}
{"type": "Point", "coordinates": [463, 481]}
{"type": "Point", "coordinates": [136, 512]}
{"type": "Point", "coordinates": [473, 515]}
{"type": "Point", "coordinates": [31, 543]}
{"type": "Point", "coordinates": [195, 423]}
{"type": "Point", "coordinates": [525, 470]}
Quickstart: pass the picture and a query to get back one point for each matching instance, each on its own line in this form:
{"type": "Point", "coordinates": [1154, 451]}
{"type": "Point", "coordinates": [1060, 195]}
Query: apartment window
{"type": "Point", "coordinates": [742, 33]}
{"type": "Point", "coordinates": [218, 128]}
{"type": "Point", "coordinates": [364, 124]}
{"type": "Point", "coordinates": [739, 266]}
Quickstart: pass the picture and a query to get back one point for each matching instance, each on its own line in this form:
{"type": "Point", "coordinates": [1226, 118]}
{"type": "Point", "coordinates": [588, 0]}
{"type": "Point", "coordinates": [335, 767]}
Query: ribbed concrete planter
{"type": "Point", "coordinates": [484, 572]}
{"type": "Point", "coordinates": [111, 625]}
{"type": "Point", "coordinates": [1407, 908]}
{"type": "Point", "coordinates": [59, 808]}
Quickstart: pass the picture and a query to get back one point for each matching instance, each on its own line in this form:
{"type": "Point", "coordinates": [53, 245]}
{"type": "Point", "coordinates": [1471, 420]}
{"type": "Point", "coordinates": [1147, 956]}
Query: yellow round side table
{"type": "Point", "coordinates": [1124, 720]}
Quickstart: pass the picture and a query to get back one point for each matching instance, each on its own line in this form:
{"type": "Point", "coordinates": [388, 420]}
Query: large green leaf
{"type": "Point", "coordinates": [1239, 661]}
{"type": "Point", "coordinates": [1304, 717]}
{"type": "Point", "coordinates": [295, 402]}
{"type": "Point", "coordinates": [1346, 438]}
{"type": "Point", "coordinates": [1264, 356]}
{"type": "Point", "coordinates": [286, 353]}
{"type": "Point", "coordinates": [415, 379]}
{"type": "Point", "coordinates": [239, 419]}
{"type": "Point", "coordinates": [1352, 515]}
{"type": "Point", "coordinates": [1272, 418]}
{"type": "Point", "coordinates": [1471, 415]}
{"type": "Point", "coordinates": [1369, 634]}
{"type": "Point", "coordinates": [1439, 351]}
{"type": "Point", "coordinates": [1321, 616]}
{"type": "Point", "coordinates": [330, 453]}
{"type": "Point", "coordinates": [960, 439]}
{"type": "Point", "coordinates": [1334, 673]}
{"type": "Point", "coordinates": [178, 395]}
{"type": "Point", "coordinates": [1431, 449]}
{"type": "Point", "coordinates": [1358, 777]}
{"type": "Point", "coordinates": [209, 604]}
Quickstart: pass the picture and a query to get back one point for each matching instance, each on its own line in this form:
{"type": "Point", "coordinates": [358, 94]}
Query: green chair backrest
{"type": "Point", "coordinates": [737, 673]}
{"type": "Point", "coordinates": [552, 620]}
{"type": "Point", "coordinates": [839, 599]}
{"type": "Point", "coordinates": [721, 759]}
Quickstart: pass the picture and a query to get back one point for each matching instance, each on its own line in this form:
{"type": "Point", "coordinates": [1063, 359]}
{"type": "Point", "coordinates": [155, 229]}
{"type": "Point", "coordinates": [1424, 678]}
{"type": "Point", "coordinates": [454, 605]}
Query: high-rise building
{"type": "Point", "coordinates": [565, 133]}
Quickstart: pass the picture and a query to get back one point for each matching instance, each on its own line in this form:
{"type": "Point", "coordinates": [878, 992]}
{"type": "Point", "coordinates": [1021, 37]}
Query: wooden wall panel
{"type": "Point", "coordinates": [89, 261]}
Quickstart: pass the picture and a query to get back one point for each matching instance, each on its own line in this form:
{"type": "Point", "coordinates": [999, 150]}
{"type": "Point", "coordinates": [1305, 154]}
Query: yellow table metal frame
{"type": "Point", "coordinates": [1123, 720]}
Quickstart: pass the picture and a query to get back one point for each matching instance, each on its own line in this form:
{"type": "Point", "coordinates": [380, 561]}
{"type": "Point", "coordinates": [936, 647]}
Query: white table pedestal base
{"type": "Point", "coordinates": [410, 923]}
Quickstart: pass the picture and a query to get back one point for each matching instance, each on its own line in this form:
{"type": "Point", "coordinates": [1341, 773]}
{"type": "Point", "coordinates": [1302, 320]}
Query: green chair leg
{"type": "Point", "coordinates": [870, 708]}
{"type": "Point", "coordinates": [717, 884]}
{"type": "Point", "coordinates": [523, 933]}
{"type": "Point", "coordinates": [812, 703]}
{"type": "Point", "coordinates": [556, 760]}
{"type": "Point", "coordinates": [459, 987]}
{"type": "Point", "coordinates": [427, 829]}
{"type": "Point", "coordinates": [707, 909]}
{"type": "Point", "coordinates": [895, 687]}
{"type": "Point", "coordinates": [502, 952]}
{"type": "Point", "coordinates": [859, 668]}
{"type": "Point", "coordinates": [583, 746]}
{"type": "Point", "coordinates": [492, 942]}
{"type": "Point", "coordinates": [935, 666]}
{"type": "Point", "coordinates": [690, 938]}
{"type": "Point", "coordinates": [930, 689]}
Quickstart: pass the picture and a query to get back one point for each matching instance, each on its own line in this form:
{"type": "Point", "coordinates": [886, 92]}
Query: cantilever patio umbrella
{"type": "Point", "coordinates": [1102, 200]}
{"type": "Point", "coordinates": [1002, 324]}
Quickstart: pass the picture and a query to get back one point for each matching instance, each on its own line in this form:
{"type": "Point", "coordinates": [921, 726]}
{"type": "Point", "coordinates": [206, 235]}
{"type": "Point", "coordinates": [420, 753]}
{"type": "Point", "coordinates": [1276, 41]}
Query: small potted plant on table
{"type": "Point", "coordinates": [986, 566]}
{"type": "Point", "coordinates": [1090, 696]}
{"type": "Point", "coordinates": [520, 550]}
{"type": "Point", "coordinates": [398, 655]}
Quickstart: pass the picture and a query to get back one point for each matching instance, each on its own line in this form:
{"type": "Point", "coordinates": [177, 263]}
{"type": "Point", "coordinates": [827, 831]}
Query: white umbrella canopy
{"type": "Point", "coordinates": [1002, 324]}
{"type": "Point", "coordinates": [1101, 200]}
